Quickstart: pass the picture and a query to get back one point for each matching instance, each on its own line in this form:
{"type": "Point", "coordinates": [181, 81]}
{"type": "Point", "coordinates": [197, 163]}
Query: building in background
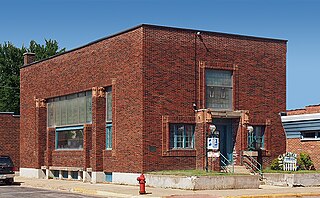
{"type": "Point", "coordinates": [144, 100]}
{"type": "Point", "coordinates": [302, 127]}
{"type": "Point", "coordinates": [10, 136]}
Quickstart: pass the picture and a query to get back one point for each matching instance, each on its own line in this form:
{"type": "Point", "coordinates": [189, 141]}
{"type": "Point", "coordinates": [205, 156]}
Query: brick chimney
{"type": "Point", "coordinates": [28, 58]}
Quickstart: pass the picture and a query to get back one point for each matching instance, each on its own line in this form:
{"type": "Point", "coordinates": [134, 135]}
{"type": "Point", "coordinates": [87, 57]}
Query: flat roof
{"type": "Point", "coordinates": [301, 117]}
{"type": "Point", "coordinates": [160, 27]}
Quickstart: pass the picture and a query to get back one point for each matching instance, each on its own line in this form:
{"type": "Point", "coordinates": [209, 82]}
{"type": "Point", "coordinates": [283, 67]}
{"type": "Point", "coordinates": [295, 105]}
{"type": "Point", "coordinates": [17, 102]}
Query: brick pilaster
{"type": "Point", "coordinates": [40, 131]}
{"type": "Point", "coordinates": [87, 146]}
{"type": "Point", "coordinates": [200, 138]}
{"type": "Point", "coordinates": [50, 146]}
{"type": "Point", "coordinates": [98, 127]}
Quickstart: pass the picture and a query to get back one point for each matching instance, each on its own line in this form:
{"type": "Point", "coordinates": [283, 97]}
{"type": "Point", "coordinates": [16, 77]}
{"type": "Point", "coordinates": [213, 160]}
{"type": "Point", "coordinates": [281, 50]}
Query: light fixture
{"type": "Point", "coordinates": [250, 129]}
{"type": "Point", "coordinates": [212, 128]}
{"type": "Point", "coordinates": [194, 105]}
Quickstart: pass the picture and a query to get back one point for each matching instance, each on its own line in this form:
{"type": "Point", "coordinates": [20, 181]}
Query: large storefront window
{"type": "Point", "coordinates": [219, 89]}
{"type": "Point", "coordinates": [69, 138]}
{"type": "Point", "coordinates": [181, 136]}
{"type": "Point", "coordinates": [70, 110]}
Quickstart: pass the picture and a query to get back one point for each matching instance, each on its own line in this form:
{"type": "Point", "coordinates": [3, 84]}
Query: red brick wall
{"type": "Point", "coordinates": [10, 137]}
{"type": "Point", "coordinates": [259, 68]}
{"type": "Point", "coordinates": [153, 75]}
{"type": "Point", "coordinates": [297, 146]}
{"type": "Point", "coordinates": [118, 58]}
{"type": "Point", "coordinates": [306, 110]}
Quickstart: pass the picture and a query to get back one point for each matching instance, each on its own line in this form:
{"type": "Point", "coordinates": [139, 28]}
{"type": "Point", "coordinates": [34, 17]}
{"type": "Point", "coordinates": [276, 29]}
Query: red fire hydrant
{"type": "Point", "coordinates": [142, 182]}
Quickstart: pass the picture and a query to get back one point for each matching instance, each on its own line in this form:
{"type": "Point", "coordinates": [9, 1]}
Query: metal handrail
{"type": "Point", "coordinates": [225, 165]}
{"type": "Point", "coordinates": [252, 163]}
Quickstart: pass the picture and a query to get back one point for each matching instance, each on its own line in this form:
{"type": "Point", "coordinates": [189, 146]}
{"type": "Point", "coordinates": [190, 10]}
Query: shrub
{"type": "Point", "coordinates": [305, 162]}
{"type": "Point", "coordinates": [275, 164]}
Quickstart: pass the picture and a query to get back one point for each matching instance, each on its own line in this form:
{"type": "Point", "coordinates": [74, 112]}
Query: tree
{"type": "Point", "coordinates": [11, 59]}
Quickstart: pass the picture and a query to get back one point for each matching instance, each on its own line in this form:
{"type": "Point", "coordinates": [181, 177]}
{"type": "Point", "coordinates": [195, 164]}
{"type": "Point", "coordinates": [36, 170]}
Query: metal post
{"type": "Point", "coordinates": [206, 151]}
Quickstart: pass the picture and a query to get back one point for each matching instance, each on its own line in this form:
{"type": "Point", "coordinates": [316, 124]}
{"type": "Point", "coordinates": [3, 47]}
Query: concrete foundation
{"type": "Point", "coordinates": [97, 177]}
{"type": "Point", "coordinates": [125, 178]}
{"type": "Point", "coordinates": [292, 180]}
{"type": "Point", "coordinates": [32, 173]}
{"type": "Point", "coordinates": [204, 182]}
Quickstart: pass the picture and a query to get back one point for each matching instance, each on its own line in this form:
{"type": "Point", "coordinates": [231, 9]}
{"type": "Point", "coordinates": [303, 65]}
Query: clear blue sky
{"type": "Point", "coordinates": [76, 22]}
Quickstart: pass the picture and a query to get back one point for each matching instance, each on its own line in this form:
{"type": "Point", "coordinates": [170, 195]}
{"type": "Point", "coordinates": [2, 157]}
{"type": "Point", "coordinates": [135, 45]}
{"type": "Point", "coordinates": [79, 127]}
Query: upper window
{"type": "Point", "coordinates": [181, 136]}
{"type": "Point", "coordinates": [310, 135]}
{"type": "Point", "coordinates": [109, 105]}
{"type": "Point", "coordinates": [219, 89]}
{"type": "Point", "coordinates": [109, 118]}
{"type": "Point", "coordinates": [70, 110]}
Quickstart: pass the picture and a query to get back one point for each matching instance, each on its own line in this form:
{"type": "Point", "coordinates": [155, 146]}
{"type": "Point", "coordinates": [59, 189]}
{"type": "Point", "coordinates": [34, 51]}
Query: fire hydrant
{"type": "Point", "coordinates": [142, 182]}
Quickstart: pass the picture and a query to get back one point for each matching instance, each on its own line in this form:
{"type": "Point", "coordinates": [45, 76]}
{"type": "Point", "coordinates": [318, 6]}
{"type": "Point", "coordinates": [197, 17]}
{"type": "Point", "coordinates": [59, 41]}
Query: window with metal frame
{"type": "Point", "coordinates": [219, 89]}
{"type": "Point", "coordinates": [182, 136]}
{"type": "Point", "coordinates": [69, 110]}
{"type": "Point", "coordinates": [109, 118]}
{"type": "Point", "coordinates": [69, 138]}
{"type": "Point", "coordinates": [310, 135]}
{"type": "Point", "coordinates": [256, 138]}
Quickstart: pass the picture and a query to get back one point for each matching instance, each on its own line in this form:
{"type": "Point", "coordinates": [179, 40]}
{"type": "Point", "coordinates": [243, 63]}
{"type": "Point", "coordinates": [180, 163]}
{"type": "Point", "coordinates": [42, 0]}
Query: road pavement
{"type": "Point", "coordinates": [116, 190]}
{"type": "Point", "coordinates": [16, 191]}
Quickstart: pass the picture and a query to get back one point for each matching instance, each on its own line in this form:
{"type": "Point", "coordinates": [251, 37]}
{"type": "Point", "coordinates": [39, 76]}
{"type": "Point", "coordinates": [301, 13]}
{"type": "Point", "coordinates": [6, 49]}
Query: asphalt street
{"type": "Point", "coordinates": [16, 191]}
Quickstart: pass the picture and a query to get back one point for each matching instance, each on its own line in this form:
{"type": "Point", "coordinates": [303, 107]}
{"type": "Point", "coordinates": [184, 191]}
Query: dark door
{"type": "Point", "coordinates": [226, 142]}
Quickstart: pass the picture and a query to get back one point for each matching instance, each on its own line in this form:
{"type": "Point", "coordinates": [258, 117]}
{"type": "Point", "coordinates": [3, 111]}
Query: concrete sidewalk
{"type": "Point", "coordinates": [114, 190]}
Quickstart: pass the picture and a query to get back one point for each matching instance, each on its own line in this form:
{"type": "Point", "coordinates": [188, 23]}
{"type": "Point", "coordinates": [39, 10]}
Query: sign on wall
{"type": "Point", "coordinates": [213, 143]}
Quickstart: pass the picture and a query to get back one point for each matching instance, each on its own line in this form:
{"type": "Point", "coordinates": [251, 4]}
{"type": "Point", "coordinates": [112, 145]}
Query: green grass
{"type": "Point", "coordinates": [190, 173]}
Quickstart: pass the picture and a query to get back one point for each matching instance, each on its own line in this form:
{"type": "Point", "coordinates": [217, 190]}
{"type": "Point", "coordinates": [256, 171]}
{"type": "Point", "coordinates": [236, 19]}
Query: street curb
{"type": "Point", "coordinates": [98, 192]}
{"type": "Point", "coordinates": [85, 191]}
{"type": "Point", "coordinates": [277, 195]}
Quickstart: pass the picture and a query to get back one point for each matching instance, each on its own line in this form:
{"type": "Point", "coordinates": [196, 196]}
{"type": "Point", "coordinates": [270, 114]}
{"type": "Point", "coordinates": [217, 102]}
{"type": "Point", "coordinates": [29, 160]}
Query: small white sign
{"type": "Point", "coordinates": [214, 154]}
{"type": "Point", "coordinates": [213, 143]}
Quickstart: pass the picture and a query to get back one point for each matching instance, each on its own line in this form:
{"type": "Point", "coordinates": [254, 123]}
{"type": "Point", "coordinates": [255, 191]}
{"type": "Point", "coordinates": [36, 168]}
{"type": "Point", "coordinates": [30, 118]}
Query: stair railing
{"type": "Point", "coordinates": [225, 166]}
{"type": "Point", "coordinates": [252, 164]}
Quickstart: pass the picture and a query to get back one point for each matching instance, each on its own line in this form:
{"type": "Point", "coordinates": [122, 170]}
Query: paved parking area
{"type": "Point", "coordinates": [16, 191]}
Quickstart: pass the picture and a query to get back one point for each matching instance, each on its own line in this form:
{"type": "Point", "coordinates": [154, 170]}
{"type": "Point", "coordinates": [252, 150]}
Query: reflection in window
{"type": "Point", "coordinates": [69, 138]}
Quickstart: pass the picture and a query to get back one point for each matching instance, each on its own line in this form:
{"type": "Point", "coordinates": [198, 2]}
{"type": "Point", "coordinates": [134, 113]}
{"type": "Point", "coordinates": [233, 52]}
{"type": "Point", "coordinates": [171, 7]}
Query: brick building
{"type": "Point", "coordinates": [302, 127]}
{"type": "Point", "coordinates": [10, 136]}
{"type": "Point", "coordinates": [124, 104]}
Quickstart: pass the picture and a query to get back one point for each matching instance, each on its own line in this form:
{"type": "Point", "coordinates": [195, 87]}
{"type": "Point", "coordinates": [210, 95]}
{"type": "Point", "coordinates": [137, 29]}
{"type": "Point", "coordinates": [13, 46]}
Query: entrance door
{"type": "Point", "coordinates": [226, 143]}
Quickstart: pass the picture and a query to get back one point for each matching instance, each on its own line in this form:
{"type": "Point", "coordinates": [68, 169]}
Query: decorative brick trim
{"type": "Point", "coordinates": [203, 65]}
{"type": "Point", "coordinates": [98, 92]}
{"type": "Point", "coordinates": [40, 102]}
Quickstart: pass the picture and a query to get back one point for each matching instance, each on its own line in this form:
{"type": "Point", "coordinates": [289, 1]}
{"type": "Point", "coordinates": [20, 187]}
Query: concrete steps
{"type": "Point", "coordinates": [239, 169]}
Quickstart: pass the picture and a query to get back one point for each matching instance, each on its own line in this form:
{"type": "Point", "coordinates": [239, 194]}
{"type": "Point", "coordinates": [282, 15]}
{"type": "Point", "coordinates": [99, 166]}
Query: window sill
{"type": "Point", "coordinates": [68, 150]}
{"type": "Point", "coordinates": [108, 153]}
{"type": "Point", "coordinates": [309, 139]}
{"type": "Point", "coordinates": [180, 153]}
